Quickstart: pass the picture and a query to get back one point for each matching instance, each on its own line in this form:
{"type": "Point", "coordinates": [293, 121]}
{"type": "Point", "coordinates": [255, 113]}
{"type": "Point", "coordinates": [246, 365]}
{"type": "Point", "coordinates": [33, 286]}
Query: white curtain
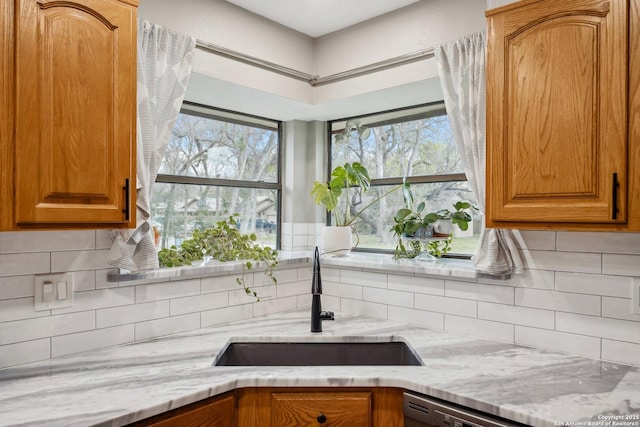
{"type": "Point", "coordinates": [461, 67]}
{"type": "Point", "coordinates": [164, 65]}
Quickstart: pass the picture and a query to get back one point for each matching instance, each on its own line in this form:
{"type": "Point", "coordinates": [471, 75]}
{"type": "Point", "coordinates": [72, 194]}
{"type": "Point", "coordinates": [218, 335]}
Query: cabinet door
{"type": "Point", "coordinates": [215, 412]}
{"type": "Point", "coordinates": [556, 112]}
{"type": "Point", "coordinates": [349, 409]}
{"type": "Point", "coordinates": [75, 112]}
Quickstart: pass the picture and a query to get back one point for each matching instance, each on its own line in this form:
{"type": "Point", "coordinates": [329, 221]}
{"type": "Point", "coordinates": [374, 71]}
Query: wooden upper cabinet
{"type": "Point", "coordinates": [75, 113]}
{"type": "Point", "coordinates": [557, 105]}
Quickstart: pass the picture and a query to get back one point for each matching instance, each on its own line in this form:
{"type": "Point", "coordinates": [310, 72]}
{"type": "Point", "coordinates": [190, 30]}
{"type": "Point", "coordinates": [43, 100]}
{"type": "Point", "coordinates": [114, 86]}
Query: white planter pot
{"type": "Point", "coordinates": [442, 227]}
{"type": "Point", "coordinates": [335, 241]}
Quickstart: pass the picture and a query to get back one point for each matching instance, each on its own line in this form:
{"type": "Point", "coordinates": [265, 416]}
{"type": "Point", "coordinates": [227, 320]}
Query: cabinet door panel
{"type": "Point", "coordinates": [75, 111]}
{"type": "Point", "coordinates": [350, 409]}
{"type": "Point", "coordinates": [556, 112]}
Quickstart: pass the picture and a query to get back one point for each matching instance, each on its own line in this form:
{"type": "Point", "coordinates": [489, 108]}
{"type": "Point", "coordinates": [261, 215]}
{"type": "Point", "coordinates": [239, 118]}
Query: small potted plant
{"type": "Point", "coordinates": [432, 228]}
{"type": "Point", "coordinates": [344, 182]}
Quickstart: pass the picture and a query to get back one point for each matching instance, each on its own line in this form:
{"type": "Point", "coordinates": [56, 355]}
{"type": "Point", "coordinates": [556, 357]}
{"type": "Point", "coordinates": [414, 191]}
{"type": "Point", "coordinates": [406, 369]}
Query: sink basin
{"type": "Point", "coordinates": [317, 354]}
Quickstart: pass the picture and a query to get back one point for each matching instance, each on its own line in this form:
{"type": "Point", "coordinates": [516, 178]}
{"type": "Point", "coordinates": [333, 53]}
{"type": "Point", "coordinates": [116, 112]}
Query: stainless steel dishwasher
{"type": "Point", "coordinates": [421, 411]}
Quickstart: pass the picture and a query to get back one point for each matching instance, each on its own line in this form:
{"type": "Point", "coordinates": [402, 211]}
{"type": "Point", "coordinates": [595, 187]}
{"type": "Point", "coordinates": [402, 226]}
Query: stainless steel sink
{"type": "Point", "coordinates": [317, 354]}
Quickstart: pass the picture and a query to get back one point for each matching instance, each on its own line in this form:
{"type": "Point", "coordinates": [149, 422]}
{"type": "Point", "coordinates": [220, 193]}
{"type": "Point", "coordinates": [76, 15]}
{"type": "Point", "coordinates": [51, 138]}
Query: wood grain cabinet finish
{"type": "Point", "coordinates": [219, 411]}
{"type": "Point", "coordinates": [347, 409]}
{"type": "Point", "coordinates": [561, 107]}
{"type": "Point", "coordinates": [353, 407]}
{"type": "Point", "coordinates": [75, 114]}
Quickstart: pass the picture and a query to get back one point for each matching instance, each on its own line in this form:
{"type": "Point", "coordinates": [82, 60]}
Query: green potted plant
{"type": "Point", "coordinates": [345, 180]}
{"type": "Point", "coordinates": [432, 228]}
{"type": "Point", "coordinates": [223, 242]}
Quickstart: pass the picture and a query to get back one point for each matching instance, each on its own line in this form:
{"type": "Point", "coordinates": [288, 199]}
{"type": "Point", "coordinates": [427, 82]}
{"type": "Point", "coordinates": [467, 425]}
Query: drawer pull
{"type": "Point", "coordinates": [322, 418]}
{"type": "Point", "coordinates": [127, 207]}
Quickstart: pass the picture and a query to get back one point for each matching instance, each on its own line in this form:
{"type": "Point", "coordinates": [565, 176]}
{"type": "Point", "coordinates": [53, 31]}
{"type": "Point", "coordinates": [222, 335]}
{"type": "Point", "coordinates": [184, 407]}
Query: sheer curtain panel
{"type": "Point", "coordinates": [461, 67]}
{"type": "Point", "coordinates": [164, 66]}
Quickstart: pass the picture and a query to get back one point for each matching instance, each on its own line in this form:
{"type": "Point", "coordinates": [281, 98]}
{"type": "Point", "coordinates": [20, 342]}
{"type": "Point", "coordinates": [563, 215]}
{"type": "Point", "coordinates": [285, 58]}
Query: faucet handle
{"type": "Point", "coordinates": [327, 315]}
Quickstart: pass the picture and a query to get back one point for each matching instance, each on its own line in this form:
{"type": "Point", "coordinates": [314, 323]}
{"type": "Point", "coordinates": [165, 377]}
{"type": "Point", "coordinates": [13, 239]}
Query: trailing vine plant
{"type": "Point", "coordinates": [223, 242]}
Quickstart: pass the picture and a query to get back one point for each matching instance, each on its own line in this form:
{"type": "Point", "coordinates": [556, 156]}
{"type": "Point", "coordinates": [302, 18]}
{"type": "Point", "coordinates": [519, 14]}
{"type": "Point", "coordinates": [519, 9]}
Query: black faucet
{"type": "Point", "coordinates": [317, 315]}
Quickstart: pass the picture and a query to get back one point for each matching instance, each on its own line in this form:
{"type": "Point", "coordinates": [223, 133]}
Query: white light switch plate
{"type": "Point", "coordinates": [58, 280]}
{"type": "Point", "coordinates": [635, 295]}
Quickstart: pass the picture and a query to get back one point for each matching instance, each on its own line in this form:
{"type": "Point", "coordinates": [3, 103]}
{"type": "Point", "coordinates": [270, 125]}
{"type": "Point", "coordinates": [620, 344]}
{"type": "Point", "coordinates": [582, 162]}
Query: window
{"type": "Point", "coordinates": [219, 163]}
{"type": "Point", "coordinates": [415, 143]}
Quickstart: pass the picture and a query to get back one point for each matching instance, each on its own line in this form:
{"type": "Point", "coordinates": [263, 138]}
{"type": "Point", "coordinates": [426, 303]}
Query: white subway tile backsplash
{"type": "Point", "coordinates": [43, 327]}
{"type": "Point", "coordinates": [285, 275]}
{"type": "Point", "coordinates": [197, 303]}
{"type": "Point", "coordinates": [27, 263]}
{"type": "Point", "coordinates": [341, 290]}
{"type": "Point", "coordinates": [620, 330]}
{"type": "Point", "coordinates": [479, 328]}
{"type": "Point", "coordinates": [448, 305]}
{"type": "Point", "coordinates": [103, 241]}
{"type": "Point", "coordinates": [535, 239]}
{"type": "Point", "coordinates": [390, 297]}
{"type": "Point", "coordinates": [15, 287]}
{"type": "Point", "coordinates": [79, 260]}
{"type": "Point", "coordinates": [101, 298]}
{"type": "Point", "coordinates": [278, 305]}
{"type": "Point", "coordinates": [619, 308]}
{"type": "Point", "coordinates": [293, 288]}
{"type": "Point", "coordinates": [84, 280]}
{"type": "Point", "coordinates": [417, 284]}
{"type": "Point", "coordinates": [330, 274]}
{"type": "Point", "coordinates": [223, 283]}
{"type": "Point", "coordinates": [539, 279]}
{"type": "Point", "coordinates": [596, 284]}
{"type": "Point", "coordinates": [25, 352]}
{"type": "Point", "coordinates": [363, 278]}
{"type": "Point", "coordinates": [563, 261]}
{"type": "Point", "coordinates": [558, 341]}
{"type": "Point", "coordinates": [572, 279]}
{"type": "Point", "coordinates": [84, 341]}
{"type": "Point", "coordinates": [365, 308]}
{"type": "Point", "coordinates": [18, 309]}
{"type": "Point", "coordinates": [621, 352]}
{"type": "Point", "coordinates": [611, 243]}
{"type": "Point", "coordinates": [479, 292]}
{"type": "Point", "coordinates": [621, 265]}
{"type": "Point", "coordinates": [559, 301]}
{"type": "Point", "coordinates": [425, 319]}
{"type": "Point", "coordinates": [134, 313]}
{"type": "Point", "coordinates": [306, 273]}
{"type": "Point", "coordinates": [167, 290]}
{"type": "Point", "coordinates": [227, 314]}
{"type": "Point", "coordinates": [516, 315]}
{"type": "Point", "coordinates": [166, 326]}
{"type": "Point", "coordinates": [41, 241]}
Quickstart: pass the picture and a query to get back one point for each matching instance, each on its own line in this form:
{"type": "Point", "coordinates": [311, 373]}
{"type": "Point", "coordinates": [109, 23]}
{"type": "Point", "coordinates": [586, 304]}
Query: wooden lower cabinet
{"type": "Point", "coordinates": [219, 411]}
{"type": "Point", "coordinates": [286, 406]}
{"type": "Point", "coordinates": [353, 407]}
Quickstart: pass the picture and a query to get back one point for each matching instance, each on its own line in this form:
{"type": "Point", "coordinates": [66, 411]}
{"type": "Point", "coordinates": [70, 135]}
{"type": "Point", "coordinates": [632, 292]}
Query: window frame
{"type": "Point", "coordinates": [236, 118]}
{"type": "Point", "coordinates": [416, 179]}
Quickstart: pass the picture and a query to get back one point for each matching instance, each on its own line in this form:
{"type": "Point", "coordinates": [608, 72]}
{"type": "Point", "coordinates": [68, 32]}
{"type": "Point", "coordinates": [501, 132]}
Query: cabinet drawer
{"type": "Point", "coordinates": [351, 409]}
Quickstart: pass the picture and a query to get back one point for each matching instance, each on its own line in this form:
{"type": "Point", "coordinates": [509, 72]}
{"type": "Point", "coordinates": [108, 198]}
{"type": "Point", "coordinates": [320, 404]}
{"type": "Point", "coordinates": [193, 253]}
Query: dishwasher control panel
{"type": "Point", "coordinates": [422, 411]}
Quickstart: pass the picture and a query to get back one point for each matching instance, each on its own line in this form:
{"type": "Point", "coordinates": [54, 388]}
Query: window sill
{"type": "Point", "coordinates": [444, 267]}
{"type": "Point", "coordinates": [204, 269]}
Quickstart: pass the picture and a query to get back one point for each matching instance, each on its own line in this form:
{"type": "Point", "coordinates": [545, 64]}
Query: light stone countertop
{"type": "Point", "coordinates": [118, 385]}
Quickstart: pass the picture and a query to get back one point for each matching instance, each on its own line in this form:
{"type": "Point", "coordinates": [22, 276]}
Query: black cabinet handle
{"type": "Point", "coordinates": [614, 199]}
{"type": "Point", "coordinates": [322, 418]}
{"type": "Point", "coordinates": [127, 205]}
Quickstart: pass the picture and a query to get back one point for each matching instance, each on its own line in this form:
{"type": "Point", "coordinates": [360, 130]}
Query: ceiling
{"type": "Point", "coordinates": [316, 18]}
